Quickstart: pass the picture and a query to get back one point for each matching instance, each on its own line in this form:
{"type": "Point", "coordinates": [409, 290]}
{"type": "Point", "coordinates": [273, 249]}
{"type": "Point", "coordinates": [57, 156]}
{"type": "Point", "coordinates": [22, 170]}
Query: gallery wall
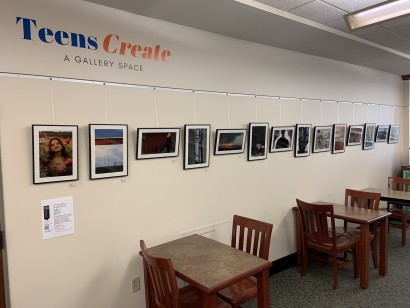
{"type": "Point", "coordinates": [158, 199]}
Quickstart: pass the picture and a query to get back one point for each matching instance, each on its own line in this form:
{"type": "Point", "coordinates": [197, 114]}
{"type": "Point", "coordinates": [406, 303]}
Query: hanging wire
{"type": "Point", "coordinates": [229, 111]}
{"type": "Point", "coordinates": [194, 107]}
{"type": "Point", "coordinates": [52, 101]}
{"type": "Point", "coordinates": [156, 107]}
{"type": "Point", "coordinates": [106, 106]}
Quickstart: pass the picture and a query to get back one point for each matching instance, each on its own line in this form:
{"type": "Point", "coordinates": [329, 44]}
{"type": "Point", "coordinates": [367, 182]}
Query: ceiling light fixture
{"type": "Point", "coordinates": [377, 13]}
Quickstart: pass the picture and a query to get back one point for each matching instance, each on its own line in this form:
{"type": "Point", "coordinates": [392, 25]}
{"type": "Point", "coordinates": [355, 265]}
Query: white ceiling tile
{"type": "Point", "coordinates": [284, 5]}
{"type": "Point", "coordinates": [346, 5]}
{"type": "Point", "coordinates": [378, 35]}
{"type": "Point", "coordinates": [318, 11]}
{"type": "Point", "coordinates": [339, 24]}
{"type": "Point", "coordinates": [361, 4]}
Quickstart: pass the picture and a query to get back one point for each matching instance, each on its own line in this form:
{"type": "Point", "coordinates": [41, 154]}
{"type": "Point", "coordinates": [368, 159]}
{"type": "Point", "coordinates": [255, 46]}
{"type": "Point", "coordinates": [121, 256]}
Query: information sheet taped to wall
{"type": "Point", "coordinates": [57, 216]}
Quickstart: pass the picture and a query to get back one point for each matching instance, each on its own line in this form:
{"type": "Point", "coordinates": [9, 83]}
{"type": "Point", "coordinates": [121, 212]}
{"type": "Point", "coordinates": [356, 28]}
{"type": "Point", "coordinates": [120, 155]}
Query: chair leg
{"type": "Point", "coordinates": [334, 271]}
{"type": "Point", "coordinates": [374, 252]}
{"type": "Point", "coordinates": [304, 261]}
{"type": "Point", "coordinates": [355, 268]}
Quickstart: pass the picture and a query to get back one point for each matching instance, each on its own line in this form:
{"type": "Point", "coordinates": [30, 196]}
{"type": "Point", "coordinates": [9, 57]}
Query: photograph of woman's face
{"type": "Point", "coordinates": [55, 154]}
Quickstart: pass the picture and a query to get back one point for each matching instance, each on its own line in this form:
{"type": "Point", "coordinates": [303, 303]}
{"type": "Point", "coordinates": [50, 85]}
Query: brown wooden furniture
{"type": "Point", "coordinates": [399, 215]}
{"type": "Point", "coordinates": [252, 236]}
{"type": "Point", "coordinates": [361, 216]}
{"type": "Point", "coordinates": [210, 266]}
{"type": "Point", "coordinates": [367, 200]}
{"type": "Point", "coordinates": [322, 238]}
{"type": "Point", "coordinates": [163, 281]}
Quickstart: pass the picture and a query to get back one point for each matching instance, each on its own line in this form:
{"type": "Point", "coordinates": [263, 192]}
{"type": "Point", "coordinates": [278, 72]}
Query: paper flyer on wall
{"type": "Point", "coordinates": [57, 216]}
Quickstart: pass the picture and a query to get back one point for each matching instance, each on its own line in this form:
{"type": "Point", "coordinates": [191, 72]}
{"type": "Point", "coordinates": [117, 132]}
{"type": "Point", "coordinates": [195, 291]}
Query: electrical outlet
{"type": "Point", "coordinates": [135, 284]}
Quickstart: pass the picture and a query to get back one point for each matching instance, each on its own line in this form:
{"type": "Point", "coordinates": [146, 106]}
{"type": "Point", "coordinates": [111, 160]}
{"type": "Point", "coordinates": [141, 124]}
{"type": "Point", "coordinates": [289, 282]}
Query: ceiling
{"type": "Point", "coordinates": [314, 27]}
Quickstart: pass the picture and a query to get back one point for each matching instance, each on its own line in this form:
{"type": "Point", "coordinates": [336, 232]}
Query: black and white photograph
{"type": "Point", "coordinates": [282, 139]}
{"type": "Point", "coordinates": [302, 146]}
{"type": "Point", "coordinates": [197, 141]}
{"type": "Point", "coordinates": [258, 141]}
{"type": "Point", "coordinates": [382, 133]}
{"type": "Point", "coordinates": [322, 138]}
{"type": "Point", "coordinates": [108, 150]}
{"type": "Point", "coordinates": [394, 132]}
{"type": "Point", "coordinates": [368, 139]}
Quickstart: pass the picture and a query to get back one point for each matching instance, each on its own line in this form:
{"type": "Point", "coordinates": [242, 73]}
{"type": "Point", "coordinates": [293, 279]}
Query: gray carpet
{"type": "Point", "coordinates": [289, 289]}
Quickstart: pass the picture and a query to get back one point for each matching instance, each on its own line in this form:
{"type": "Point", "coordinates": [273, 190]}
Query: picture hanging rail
{"type": "Point", "coordinates": [155, 87]}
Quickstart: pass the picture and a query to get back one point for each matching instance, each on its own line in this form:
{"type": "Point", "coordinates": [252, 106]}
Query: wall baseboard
{"type": "Point", "coordinates": [283, 264]}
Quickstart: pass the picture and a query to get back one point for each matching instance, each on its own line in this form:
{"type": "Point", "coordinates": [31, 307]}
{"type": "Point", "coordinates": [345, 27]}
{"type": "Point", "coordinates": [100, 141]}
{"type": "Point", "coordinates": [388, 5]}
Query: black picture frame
{"type": "Point", "coordinates": [282, 138]}
{"type": "Point", "coordinates": [196, 145]}
{"type": "Point", "coordinates": [339, 138]}
{"type": "Point", "coordinates": [303, 140]}
{"type": "Point", "coordinates": [108, 149]}
{"type": "Point", "coordinates": [322, 138]}
{"type": "Point", "coordinates": [157, 142]}
{"type": "Point", "coordinates": [258, 141]}
{"type": "Point", "coordinates": [355, 135]}
{"type": "Point", "coordinates": [369, 135]}
{"type": "Point", "coordinates": [230, 141]}
{"type": "Point", "coordinates": [55, 153]}
{"type": "Point", "coordinates": [382, 132]}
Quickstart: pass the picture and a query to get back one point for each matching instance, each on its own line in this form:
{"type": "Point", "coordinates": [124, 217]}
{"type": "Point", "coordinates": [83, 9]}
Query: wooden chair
{"type": "Point", "coordinates": [399, 215]}
{"type": "Point", "coordinates": [164, 288]}
{"type": "Point", "coordinates": [366, 200]}
{"type": "Point", "coordinates": [323, 239]}
{"type": "Point", "coordinates": [252, 236]}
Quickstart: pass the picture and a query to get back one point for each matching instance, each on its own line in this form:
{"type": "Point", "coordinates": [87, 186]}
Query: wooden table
{"type": "Point", "coordinates": [389, 195]}
{"type": "Point", "coordinates": [363, 217]}
{"type": "Point", "coordinates": [211, 266]}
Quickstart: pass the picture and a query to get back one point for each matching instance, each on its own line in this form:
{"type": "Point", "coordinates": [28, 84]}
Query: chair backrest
{"type": "Point", "coordinates": [162, 278]}
{"type": "Point", "coordinates": [252, 236]}
{"type": "Point", "coordinates": [399, 184]}
{"type": "Point", "coordinates": [363, 199]}
{"type": "Point", "coordinates": [315, 222]}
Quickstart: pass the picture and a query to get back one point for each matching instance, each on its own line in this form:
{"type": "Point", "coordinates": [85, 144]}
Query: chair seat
{"type": "Point", "coordinates": [354, 232]}
{"type": "Point", "coordinates": [240, 291]}
{"type": "Point", "coordinates": [343, 241]}
{"type": "Point", "coordinates": [192, 298]}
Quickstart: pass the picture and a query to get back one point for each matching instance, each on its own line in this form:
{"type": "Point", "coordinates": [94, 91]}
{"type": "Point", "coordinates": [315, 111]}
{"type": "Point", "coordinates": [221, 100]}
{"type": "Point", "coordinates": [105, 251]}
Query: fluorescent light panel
{"type": "Point", "coordinates": [377, 13]}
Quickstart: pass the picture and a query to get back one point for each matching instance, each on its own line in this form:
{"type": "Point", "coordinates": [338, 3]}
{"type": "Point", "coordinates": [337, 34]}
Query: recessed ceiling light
{"type": "Point", "coordinates": [377, 13]}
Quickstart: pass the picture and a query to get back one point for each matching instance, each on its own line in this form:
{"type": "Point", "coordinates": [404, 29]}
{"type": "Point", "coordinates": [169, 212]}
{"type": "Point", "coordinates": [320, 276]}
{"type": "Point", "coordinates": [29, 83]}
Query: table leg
{"type": "Point", "coordinates": [364, 253]}
{"type": "Point", "coordinates": [263, 289]}
{"type": "Point", "coordinates": [383, 247]}
{"type": "Point", "coordinates": [210, 300]}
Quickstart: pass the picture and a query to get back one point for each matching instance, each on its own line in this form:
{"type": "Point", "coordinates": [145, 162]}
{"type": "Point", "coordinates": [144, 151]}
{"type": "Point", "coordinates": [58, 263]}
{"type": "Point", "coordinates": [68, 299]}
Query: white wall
{"type": "Point", "coordinates": [158, 200]}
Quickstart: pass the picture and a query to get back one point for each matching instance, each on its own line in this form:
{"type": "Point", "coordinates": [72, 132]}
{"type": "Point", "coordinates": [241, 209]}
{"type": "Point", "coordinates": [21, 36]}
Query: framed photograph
{"type": "Point", "coordinates": [339, 138]}
{"type": "Point", "coordinates": [157, 142]}
{"type": "Point", "coordinates": [381, 133]}
{"type": "Point", "coordinates": [282, 139]}
{"type": "Point", "coordinates": [55, 153]}
{"type": "Point", "coordinates": [322, 138]}
{"type": "Point", "coordinates": [302, 147]}
{"type": "Point", "coordinates": [355, 135]}
{"type": "Point", "coordinates": [196, 149]}
{"type": "Point", "coordinates": [230, 141]}
{"type": "Point", "coordinates": [368, 139]}
{"type": "Point", "coordinates": [108, 150]}
{"type": "Point", "coordinates": [258, 141]}
{"type": "Point", "coordinates": [394, 132]}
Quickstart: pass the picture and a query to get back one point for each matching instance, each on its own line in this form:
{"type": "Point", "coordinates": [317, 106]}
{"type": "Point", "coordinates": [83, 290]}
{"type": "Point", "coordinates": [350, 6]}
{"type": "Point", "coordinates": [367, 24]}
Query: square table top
{"type": "Point", "coordinates": [207, 264]}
